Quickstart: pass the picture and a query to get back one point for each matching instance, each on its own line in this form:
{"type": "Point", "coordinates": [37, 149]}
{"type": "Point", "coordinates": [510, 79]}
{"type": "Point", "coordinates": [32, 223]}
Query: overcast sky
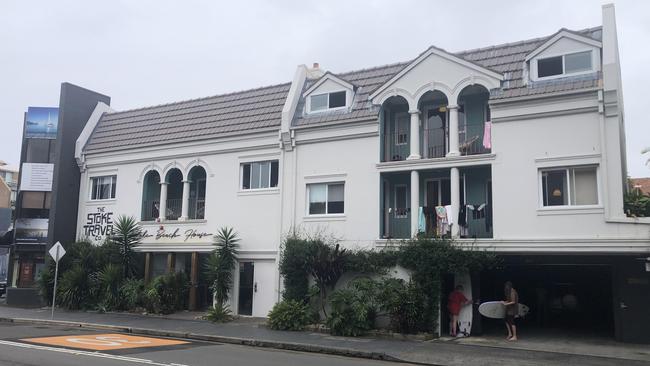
{"type": "Point", "coordinates": [144, 53]}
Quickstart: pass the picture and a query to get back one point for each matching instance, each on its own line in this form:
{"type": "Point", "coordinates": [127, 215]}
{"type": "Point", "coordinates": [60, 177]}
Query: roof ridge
{"type": "Point", "coordinates": [531, 40]}
{"type": "Point", "coordinates": [197, 99]}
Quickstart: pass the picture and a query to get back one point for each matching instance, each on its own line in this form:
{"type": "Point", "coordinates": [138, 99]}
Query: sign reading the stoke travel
{"type": "Point", "coordinates": [57, 252]}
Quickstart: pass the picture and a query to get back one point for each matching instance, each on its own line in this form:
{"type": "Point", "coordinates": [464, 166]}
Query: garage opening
{"type": "Point", "coordinates": [566, 299]}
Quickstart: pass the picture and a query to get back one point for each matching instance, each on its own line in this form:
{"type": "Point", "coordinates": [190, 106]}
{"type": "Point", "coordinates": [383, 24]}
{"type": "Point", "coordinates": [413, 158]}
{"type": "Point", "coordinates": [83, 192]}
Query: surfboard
{"type": "Point", "coordinates": [465, 315]}
{"type": "Point", "coordinates": [496, 310]}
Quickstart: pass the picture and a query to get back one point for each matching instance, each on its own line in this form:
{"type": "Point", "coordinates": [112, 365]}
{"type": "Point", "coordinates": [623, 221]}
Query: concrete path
{"type": "Point", "coordinates": [474, 351]}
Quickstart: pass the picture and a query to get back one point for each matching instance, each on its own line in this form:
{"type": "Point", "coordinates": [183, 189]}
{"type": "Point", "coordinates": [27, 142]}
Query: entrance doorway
{"type": "Point", "coordinates": [246, 288]}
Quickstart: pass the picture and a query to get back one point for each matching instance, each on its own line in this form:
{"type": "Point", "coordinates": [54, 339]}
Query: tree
{"type": "Point", "coordinates": [221, 264]}
{"type": "Point", "coordinates": [127, 234]}
{"type": "Point", "coordinates": [327, 263]}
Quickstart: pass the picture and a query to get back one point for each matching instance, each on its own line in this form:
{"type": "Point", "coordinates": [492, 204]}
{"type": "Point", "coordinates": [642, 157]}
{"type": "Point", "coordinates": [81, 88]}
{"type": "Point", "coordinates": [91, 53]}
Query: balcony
{"type": "Point", "coordinates": [436, 119]}
{"type": "Point", "coordinates": [435, 191]}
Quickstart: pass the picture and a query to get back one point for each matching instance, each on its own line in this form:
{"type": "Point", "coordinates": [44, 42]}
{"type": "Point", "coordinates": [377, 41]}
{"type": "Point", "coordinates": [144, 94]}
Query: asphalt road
{"type": "Point", "coordinates": [15, 350]}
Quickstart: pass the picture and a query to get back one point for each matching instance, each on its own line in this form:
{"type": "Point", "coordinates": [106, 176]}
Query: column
{"type": "Point", "coordinates": [453, 130]}
{"type": "Point", "coordinates": [415, 201]}
{"type": "Point", "coordinates": [185, 204]}
{"type": "Point", "coordinates": [171, 262]}
{"type": "Point", "coordinates": [194, 280]}
{"type": "Point", "coordinates": [147, 267]}
{"type": "Point", "coordinates": [163, 201]}
{"type": "Point", "coordinates": [455, 200]}
{"type": "Point", "coordinates": [415, 135]}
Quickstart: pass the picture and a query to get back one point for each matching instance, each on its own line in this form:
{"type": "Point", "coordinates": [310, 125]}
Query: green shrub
{"type": "Point", "coordinates": [221, 264]}
{"type": "Point", "coordinates": [353, 309]}
{"type": "Point", "coordinates": [289, 315]}
{"type": "Point", "coordinates": [109, 281]}
{"type": "Point", "coordinates": [132, 293]}
{"type": "Point", "coordinates": [405, 304]}
{"type": "Point", "coordinates": [167, 293]}
{"type": "Point", "coordinates": [219, 314]}
{"type": "Point", "coordinates": [76, 289]}
{"type": "Point", "coordinates": [294, 269]}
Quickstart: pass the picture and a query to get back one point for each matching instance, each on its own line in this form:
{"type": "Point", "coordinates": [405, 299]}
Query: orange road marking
{"type": "Point", "coordinates": [104, 342]}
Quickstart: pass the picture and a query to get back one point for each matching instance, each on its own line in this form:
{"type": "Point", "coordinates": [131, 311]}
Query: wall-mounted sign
{"type": "Point", "coordinates": [176, 235]}
{"type": "Point", "coordinates": [31, 230]}
{"type": "Point", "coordinates": [99, 224]}
{"type": "Point", "coordinates": [41, 122]}
{"type": "Point", "coordinates": [36, 177]}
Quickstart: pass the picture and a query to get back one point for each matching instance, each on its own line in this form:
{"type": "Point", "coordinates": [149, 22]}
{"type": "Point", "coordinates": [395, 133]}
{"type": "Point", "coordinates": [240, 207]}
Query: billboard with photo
{"type": "Point", "coordinates": [31, 230]}
{"type": "Point", "coordinates": [41, 122]}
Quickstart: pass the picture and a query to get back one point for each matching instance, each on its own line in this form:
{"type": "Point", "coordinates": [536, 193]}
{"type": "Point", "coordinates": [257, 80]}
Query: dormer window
{"type": "Point", "coordinates": [326, 101]}
{"type": "Point", "coordinates": [572, 63]}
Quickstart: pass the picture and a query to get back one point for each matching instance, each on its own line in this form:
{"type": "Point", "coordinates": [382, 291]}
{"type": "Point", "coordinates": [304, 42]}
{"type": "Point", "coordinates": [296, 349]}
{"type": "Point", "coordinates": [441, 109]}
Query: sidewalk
{"type": "Point", "coordinates": [473, 351]}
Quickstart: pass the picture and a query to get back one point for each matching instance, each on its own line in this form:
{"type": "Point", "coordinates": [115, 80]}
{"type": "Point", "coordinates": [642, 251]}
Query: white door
{"type": "Point", "coordinates": [264, 288]}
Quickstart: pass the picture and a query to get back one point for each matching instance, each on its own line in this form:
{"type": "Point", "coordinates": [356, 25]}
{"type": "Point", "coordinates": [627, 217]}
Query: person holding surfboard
{"type": "Point", "coordinates": [511, 303]}
{"type": "Point", "coordinates": [455, 302]}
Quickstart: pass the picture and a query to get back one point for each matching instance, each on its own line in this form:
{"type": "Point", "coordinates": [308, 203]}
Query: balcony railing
{"type": "Point", "coordinates": [398, 223]}
{"type": "Point", "coordinates": [434, 143]}
{"type": "Point", "coordinates": [174, 208]}
{"type": "Point", "coordinates": [150, 210]}
{"type": "Point", "coordinates": [396, 146]}
{"type": "Point", "coordinates": [197, 209]}
{"type": "Point", "coordinates": [471, 141]}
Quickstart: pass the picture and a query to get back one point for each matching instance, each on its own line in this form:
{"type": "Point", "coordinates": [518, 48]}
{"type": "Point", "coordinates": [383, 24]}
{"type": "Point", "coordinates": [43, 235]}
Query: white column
{"type": "Point", "coordinates": [415, 135]}
{"type": "Point", "coordinates": [453, 130]}
{"type": "Point", "coordinates": [185, 204]}
{"type": "Point", "coordinates": [415, 201]}
{"type": "Point", "coordinates": [163, 201]}
{"type": "Point", "coordinates": [455, 200]}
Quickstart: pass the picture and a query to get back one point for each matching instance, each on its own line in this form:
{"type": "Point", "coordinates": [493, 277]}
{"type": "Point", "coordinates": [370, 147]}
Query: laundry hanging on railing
{"type": "Point", "coordinates": [487, 135]}
{"type": "Point", "coordinates": [422, 223]}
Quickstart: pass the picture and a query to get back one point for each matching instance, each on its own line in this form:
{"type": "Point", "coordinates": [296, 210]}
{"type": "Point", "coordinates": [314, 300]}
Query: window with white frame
{"type": "Point", "coordinates": [259, 175]}
{"type": "Point", "coordinates": [326, 101]}
{"type": "Point", "coordinates": [103, 188]}
{"type": "Point", "coordinates": [326, 198]}
{"type": "Point", "coordinates": [564, 64]}
{"type": "Point", "coordinates": [575, 186]}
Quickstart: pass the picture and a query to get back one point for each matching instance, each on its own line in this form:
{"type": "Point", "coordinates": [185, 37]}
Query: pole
{"type": "Point", "coordinates": [56, 276]}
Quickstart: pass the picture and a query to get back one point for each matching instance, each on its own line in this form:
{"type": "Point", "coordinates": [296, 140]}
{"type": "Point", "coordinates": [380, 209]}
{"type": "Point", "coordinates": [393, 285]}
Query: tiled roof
{"type": "Point", "coordinates": [261, 108]}
{"type": "Point", "coordinates": [191, 120]}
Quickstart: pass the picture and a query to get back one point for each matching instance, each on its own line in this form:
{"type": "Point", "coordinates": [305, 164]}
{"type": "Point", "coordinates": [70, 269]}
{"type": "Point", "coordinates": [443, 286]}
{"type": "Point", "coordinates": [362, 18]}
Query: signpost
{"type": "Point", "coordinates": [57, 252]}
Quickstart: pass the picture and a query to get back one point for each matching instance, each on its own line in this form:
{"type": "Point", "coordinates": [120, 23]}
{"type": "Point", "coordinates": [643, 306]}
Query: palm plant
{"type": "Point", "coordinates": [645, 151]}
{"type": "Point", "coordinates": [127, 234]}
{"type": "Point", "coordinates": [109, 280]}
{"type": "Point", "coordinates": [221, 264]}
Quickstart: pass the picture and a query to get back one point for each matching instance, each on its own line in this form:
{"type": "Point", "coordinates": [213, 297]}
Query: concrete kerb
{"type": "Point", "coordinates": [290, 346]}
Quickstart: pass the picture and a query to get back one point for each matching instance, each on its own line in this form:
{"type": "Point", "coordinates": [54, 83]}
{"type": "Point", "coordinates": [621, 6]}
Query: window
{"type": "Point", "coordinates": [326, 198]}
{"type": "Point", "coordinates": [402, 130]}
{"type": "Point", "coordinates": [322, 102]}
{"type": "Point", "coordinates": [565, 64]}
{"type": "Point", "coordinates": [549, 66]}
{"type": "Point", "coordinates": [258, 175]}
{"type": "Point", "coordinates": [577, 62]}
{"type": "Point", "coordinates": [103, 188]}
{"type": "Point", "coordinates": [401, 201]}
{"type": "Point", "coordinates": [570, 187]}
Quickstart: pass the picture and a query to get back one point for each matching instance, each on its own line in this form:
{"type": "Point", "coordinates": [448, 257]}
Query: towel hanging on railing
{"type": "Point", "coordinates": [487, 135]}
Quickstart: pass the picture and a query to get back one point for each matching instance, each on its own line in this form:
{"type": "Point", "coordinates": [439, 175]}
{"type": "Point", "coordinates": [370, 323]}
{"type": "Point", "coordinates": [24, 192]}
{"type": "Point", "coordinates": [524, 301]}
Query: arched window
{"type": "Point", "coordinates": [151, 196]}
{"type": "Point", "coordinates": [196, 202]}
{"type": "Point", "coordinates": [174, 179]}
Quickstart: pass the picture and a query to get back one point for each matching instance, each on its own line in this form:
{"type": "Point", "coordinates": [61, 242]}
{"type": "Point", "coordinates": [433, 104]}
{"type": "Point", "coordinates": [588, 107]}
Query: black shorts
{"type": "Point", "coordinates": [510, 319]}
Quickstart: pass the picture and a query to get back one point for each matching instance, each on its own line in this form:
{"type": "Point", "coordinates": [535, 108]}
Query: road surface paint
{"type": "Point", "coordinates": [88, 354]}
{"type": "Point", "coordinates": [104, 342]}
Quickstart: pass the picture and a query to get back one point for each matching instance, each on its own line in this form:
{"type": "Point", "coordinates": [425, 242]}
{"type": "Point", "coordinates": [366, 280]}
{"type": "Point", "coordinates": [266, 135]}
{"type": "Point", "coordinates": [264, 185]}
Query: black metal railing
{"type": "Point", "coordinates": [150, 210]}
{"type": "Point", "coordinates": [434, 143]}
{"type": "Point", "coordinates": [197, 209]}
{"type": "Point", "coordinates": [396, 146]}
{"type": "Point", "coordinates": [174, 208]}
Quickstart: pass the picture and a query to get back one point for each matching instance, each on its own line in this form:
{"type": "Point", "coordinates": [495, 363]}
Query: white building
{"type": "Point", "coordinates": [358, 154]}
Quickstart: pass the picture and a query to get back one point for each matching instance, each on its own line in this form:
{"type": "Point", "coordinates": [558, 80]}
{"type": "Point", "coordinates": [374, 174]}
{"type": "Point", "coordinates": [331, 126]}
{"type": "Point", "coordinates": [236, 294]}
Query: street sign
{"type": "Point", "coordinates": [57, 252]}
